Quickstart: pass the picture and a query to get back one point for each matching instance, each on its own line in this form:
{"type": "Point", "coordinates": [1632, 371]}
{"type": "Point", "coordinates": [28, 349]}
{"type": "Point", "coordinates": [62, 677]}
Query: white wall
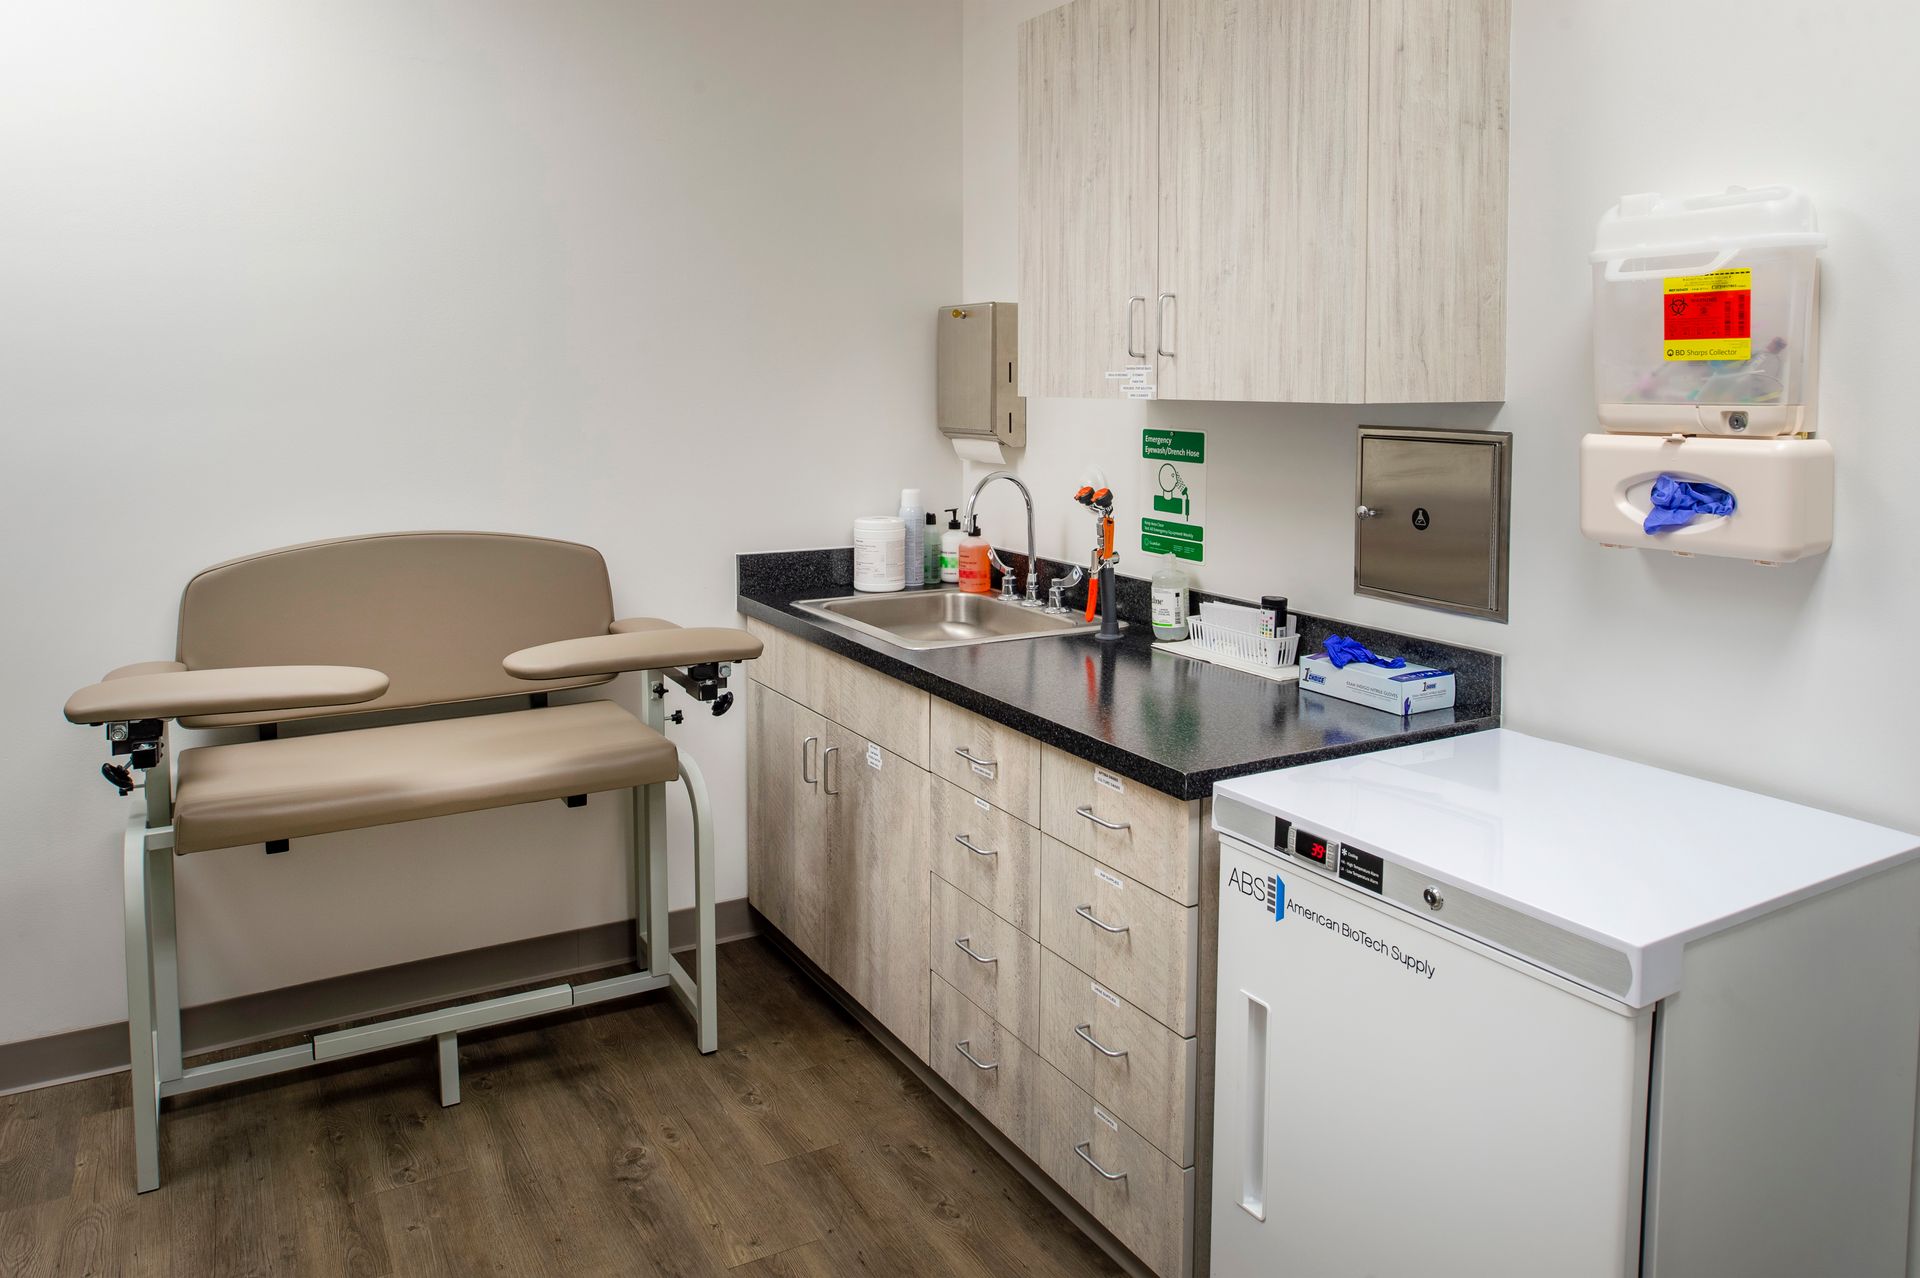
{"type": "Point", "coordinates": [1699, 665]}
{"type": "Point", "coordinates": [657, 276]}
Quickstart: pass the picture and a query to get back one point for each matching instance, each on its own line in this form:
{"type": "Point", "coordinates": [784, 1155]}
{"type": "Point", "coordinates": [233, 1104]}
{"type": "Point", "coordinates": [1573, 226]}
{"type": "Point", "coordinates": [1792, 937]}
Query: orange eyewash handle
{"type": "Point", "coordinates": [1093, 595]}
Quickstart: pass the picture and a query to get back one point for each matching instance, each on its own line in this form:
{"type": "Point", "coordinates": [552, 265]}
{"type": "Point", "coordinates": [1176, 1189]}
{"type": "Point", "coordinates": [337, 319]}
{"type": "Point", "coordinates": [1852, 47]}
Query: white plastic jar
{"type": "Point", "coordinates": [879, 553]}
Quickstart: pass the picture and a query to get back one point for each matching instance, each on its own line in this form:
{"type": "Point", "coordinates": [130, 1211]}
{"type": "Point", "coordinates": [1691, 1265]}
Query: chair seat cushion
{"type": "Point", "coordinates": [257, 791]}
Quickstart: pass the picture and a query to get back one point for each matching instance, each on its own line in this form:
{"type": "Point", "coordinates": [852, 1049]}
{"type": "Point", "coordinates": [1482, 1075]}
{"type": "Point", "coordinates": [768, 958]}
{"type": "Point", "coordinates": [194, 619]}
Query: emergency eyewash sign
{"type": "Point", "coordinates": [1174, 483]}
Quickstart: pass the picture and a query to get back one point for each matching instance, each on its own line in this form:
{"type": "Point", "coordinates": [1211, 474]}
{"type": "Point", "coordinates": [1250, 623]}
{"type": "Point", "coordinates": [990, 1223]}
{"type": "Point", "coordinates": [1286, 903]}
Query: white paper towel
{"type": "Point", "coordinates": [984, 452]}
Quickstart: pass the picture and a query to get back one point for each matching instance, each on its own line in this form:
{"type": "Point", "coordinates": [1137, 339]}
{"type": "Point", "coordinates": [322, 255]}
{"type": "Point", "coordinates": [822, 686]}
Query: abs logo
{"type": "Point", "coordinates": [1265, 890]}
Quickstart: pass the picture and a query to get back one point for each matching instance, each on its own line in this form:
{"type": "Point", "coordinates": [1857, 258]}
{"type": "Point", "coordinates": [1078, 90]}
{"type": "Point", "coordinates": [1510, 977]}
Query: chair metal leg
{"type": "Point", "coordinates": [449, 1046]}
{"type": "Point", "coordinates": [707, 984]}
{"type": "Point", "coordinates": [166, 963]}
{"type": "Point", "coordinates": [140, 1011]}
{"type": "Point", "coordinates": [659, 901]}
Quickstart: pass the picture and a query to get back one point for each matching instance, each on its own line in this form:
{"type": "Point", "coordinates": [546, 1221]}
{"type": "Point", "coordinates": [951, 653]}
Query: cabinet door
{"type": "Point", "coordinates": [1263, 198]}
{"type": "Point", "coordinates": [879, 881]}
{"type": "Point", "coordinates": [787, 834]}
{"type": "Point", "coordinates": [1437, 202]}
{"type": "Point", "coordinates": [1088, 100]}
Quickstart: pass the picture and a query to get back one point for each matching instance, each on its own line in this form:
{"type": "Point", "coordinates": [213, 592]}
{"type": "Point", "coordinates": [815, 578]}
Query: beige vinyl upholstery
{"type": "Point", "coordinates": [433, 611]}
{"type": "Point", "coordinates": [256, 791]}
{"type": "Point", "coordinates": [161, 690]}
{"type": "Point", "coordinates": [632, 650]}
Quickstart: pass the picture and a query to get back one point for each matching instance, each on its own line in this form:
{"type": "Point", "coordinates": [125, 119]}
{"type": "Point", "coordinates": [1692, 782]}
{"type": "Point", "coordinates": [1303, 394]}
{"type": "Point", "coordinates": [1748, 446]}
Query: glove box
{"type": "Point", "coordinates": [1782, 489]}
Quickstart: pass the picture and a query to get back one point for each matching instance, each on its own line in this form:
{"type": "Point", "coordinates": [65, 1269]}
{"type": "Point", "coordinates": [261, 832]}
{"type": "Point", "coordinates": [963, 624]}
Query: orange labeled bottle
{"type": "Point", "coordinates": [976, 563]}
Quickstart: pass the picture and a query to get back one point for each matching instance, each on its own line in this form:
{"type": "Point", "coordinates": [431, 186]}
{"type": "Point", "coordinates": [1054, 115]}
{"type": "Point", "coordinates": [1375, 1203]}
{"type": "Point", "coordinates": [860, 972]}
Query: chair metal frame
{"type": "Point", "coordinates": [153, 972]}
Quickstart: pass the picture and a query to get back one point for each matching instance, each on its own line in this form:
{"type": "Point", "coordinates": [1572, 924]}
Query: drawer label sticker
{"type": "Point", "coordinates": [982, 769]}
{"type": "Point", "coordinates": [873, 756]}
{"type": "Point", "coordinates": [1708, 317]}
{"type": "Point", "coordinates": [1101, 991]}
{"type": "Point", "coordinates": [1103, 777]}
{"type": "Point", "coordinates": [1113, 881]}
{"type": "Point", "coordinates": [982, 805]}
{"type": "Point", "coordinates": [1113, 1124]}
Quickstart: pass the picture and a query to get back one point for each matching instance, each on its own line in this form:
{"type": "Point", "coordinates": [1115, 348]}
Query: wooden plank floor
{"type": "Point", "coordinates": [593, 1143]}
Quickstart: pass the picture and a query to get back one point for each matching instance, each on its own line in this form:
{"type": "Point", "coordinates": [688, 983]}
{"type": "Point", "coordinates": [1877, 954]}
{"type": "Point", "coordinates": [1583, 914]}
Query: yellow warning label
{"type": "Point", "coordinates": [1712, 348]}
{"type": "Point", "coordinates": [1708, 317]}
{"type": "Point", "coordinates": [1712, 282]}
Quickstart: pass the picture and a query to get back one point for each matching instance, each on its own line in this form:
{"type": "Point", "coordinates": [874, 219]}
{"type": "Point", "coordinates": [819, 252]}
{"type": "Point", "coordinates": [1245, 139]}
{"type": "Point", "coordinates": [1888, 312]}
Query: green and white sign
{"type": "Point", "coordinates": [1173, 477]}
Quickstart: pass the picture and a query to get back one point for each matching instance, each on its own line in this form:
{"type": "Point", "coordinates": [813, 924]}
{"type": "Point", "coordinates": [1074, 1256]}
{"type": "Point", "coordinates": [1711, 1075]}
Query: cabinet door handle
{"type": "Point", "coordinates": [1086, 810]}
{"type": "Point", "coordinates": [991, 765]}
{"type": "Point", "coordinates": [809, 759]}
{"type": "Point", "coordinates": [1141, 300]}
{"type": "Point", "coordinates": [962, 1046]}
{"type": "Point", "coordinates": [1082, 1148]}
{"type": "Point", "coordinates": [1098, 1046]}
{"type": "Point", "coordinates": [966, 841]}
{"type": "Point", "coordinates": [829, 770]}
{"type": "Point", "coordinates": [1086, 912]}
{"type": "Point", "coordinates": [1160, 325]}
{"type": "Point", "coordinates": [965, 945]}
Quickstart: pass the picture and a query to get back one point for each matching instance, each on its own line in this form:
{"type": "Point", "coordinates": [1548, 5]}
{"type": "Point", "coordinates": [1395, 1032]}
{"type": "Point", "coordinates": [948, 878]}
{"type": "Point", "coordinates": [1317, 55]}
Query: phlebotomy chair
{"type": "Point", "coordinates": [396, 623]}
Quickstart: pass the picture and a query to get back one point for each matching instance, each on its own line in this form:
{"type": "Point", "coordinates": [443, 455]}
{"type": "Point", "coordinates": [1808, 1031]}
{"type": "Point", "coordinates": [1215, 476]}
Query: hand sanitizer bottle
{"type": "Point", "coordinates": [1169, 601]}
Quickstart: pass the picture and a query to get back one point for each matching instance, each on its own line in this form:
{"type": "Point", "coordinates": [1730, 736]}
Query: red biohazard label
{"type": "Point", "coordinates": [1708, 317]}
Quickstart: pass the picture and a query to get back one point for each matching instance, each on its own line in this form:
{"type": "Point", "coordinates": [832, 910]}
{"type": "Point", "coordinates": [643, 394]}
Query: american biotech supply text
{"type": "Point", "coordinates": [1266, 889]}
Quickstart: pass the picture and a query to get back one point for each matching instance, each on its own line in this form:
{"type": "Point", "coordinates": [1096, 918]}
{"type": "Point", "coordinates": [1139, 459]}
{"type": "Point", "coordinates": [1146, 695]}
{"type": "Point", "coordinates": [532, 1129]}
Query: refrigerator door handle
{"type": "Point", "coordinates": [1253, 1164]}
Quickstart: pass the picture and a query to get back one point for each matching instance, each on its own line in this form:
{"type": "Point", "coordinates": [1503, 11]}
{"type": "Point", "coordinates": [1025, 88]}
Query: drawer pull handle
{"type": "Point", "coordinates": [1086, 912]}
{"type": "Point", "coordinates": [1086, 811]}
{"type": "Point", "coordinates": [962, 1046]}
{"type": "Point", "coordinates": [1082, 1148]}
{"type": "Point", "coordinates": [967, 949]}
{"type": "Point", "coordinates": [991, 765]}
{"type": "Point", "coordinates": [809, 760]}
{"type": "Point", "coordinates": [1098, 1046]}
{"type": "Point", "coordinates": [829, 770]}
{"type": "Point", "coordinates": [966, 841]}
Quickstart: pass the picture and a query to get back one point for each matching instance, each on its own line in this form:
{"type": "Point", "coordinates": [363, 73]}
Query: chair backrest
{"type": "Point", "coordinates": [435, 611]}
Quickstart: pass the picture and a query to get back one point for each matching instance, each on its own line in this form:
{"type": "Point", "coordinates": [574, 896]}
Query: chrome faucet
{"type": "Point", "coordinates": [1033, 563]}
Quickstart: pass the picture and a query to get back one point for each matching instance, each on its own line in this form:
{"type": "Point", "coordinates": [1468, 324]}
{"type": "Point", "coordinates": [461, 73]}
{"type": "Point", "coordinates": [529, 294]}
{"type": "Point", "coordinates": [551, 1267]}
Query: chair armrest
{"type": "Point", "coordinates": [175, 694]}
{"type": "Point", "coordinates": [657, 649]}
{"type": "Point", "coordinates": [639, 625]}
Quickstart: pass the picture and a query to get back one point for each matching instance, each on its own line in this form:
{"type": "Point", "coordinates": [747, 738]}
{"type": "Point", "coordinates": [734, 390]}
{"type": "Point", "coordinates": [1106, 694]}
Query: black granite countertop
{"type": "Point", "coordinates": [1166, 721]}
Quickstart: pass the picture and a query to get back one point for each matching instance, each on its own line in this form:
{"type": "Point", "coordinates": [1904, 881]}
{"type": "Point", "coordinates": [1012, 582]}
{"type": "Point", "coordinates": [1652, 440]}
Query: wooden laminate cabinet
{"type": "Point", "coordinates": [1061, 985]}
{"type": "Point", "coordinates": [877, 832]}
{"type": "Point", "coordinates": [837, 851]}
{"type": "Point", "coordinates": [1088, 194]}
{"type": "Point", "coordinates": [1327, 181]}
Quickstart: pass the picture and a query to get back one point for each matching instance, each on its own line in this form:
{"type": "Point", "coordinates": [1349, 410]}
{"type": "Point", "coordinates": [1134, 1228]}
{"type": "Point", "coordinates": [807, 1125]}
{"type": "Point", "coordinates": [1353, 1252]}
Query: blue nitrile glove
{"type": "Point", "coordinates": [1677, 501]}
{"type": "Point", "coordinates": [1341, 651]}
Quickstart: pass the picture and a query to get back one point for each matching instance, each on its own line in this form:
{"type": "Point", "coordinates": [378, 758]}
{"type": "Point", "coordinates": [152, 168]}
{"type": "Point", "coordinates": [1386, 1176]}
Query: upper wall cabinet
{"type": "Point", "coordinates": [1283, 200]}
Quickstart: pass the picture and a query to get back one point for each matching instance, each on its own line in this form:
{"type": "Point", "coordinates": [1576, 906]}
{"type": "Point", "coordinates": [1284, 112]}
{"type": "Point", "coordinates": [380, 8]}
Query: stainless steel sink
{"type": "Point", "coordinates": [943, 618]}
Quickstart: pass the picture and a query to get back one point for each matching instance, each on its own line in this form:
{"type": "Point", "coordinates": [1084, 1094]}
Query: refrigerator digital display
{"type": "Point", "coordinates": [1309, 846]}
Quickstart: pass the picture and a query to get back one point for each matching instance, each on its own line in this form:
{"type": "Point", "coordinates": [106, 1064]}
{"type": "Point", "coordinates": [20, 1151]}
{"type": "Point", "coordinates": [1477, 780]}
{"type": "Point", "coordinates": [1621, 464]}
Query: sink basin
{"type": "Point", "coordinates": [943, 618]}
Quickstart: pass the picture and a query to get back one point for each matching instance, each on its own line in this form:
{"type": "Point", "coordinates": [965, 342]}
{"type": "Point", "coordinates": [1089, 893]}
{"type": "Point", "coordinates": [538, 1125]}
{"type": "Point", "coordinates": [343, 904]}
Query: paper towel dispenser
{"type": "Point", "coordinates": [977, 373]}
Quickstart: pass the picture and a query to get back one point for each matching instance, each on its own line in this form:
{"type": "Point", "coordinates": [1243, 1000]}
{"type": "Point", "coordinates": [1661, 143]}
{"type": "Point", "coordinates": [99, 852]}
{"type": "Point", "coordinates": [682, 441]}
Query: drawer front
{"type": "Point", "coordinates": [885, 711]}
{"type": "Point", "coordinates": [987, 959]}
{"type": "Point", "coordinates": [1149, 1084]}
{"type": "Point", "coordinates": [1002, 1076]}
{"type": "Point", "coordinates": [1137, 943]}
{"type": "Point", "coordinates": [986, 759]}
{"type": "Point", "coordinates": [1144, 834]}
{"type": "Point", "coordinates": [1008, 880]}
{"type": "Point", "coordinates": [1149, 1205]}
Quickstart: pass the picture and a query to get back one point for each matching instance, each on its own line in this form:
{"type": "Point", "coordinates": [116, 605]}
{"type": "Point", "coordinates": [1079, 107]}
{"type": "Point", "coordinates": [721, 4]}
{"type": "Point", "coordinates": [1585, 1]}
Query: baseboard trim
{"type": "Point", "coordinates": [1079, 1216]}
{"type": "Point", "coordinates": [298, 1009]}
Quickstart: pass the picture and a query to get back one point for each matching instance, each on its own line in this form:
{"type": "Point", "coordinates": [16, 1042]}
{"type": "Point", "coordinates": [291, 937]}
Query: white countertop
{"type": "Point", "coordinates": [1635, 857]}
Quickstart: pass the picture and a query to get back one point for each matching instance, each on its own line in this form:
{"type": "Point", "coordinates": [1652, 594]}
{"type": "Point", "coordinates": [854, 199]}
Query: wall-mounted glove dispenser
{"type": "Point", "coordinates": [1706, 368]}
{"type": "Point", "coordinates": [1782, 492]}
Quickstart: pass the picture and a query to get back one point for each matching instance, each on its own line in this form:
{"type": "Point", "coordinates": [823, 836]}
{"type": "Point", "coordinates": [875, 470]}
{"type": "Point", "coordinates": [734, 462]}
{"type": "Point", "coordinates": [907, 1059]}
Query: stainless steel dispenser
{"type": "Point", "coordinates": [977, 373]}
